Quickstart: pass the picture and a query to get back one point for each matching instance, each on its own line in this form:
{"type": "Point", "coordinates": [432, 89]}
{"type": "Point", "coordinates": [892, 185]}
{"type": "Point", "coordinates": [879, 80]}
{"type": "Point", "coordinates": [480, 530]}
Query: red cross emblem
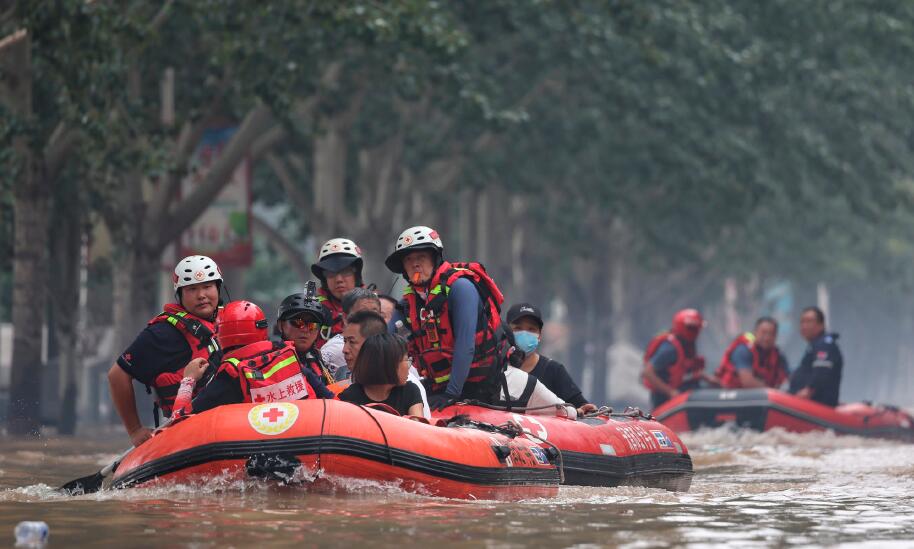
{"type": "Point", "coordinates": [273, 414]}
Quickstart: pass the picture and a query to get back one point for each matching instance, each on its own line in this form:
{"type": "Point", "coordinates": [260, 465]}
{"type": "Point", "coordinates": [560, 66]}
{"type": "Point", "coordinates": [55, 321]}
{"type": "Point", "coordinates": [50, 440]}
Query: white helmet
{"type": "Point", "coordinates": [414, 238]}
{"type": "Point", "coordinates": [195, 269]}
{"type": "Point", "coordinates": [336, 254]}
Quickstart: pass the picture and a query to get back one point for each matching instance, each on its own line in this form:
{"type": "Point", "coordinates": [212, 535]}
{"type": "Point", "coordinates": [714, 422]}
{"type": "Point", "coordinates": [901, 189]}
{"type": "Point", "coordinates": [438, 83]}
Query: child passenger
{"type": "Point", "coordinates": [379, 375]}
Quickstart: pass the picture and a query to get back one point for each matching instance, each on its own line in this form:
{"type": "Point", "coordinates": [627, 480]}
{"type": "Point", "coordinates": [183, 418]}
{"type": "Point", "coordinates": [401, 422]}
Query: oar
{"type": "Point", "coordinates": [93, 483]}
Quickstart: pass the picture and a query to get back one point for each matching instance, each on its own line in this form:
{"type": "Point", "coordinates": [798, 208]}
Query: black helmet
{"type": "Point", "coordinates": [299, 305]}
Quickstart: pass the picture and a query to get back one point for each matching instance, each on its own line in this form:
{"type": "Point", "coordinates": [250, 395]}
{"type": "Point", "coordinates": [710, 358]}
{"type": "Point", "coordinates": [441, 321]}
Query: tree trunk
{"type": "Point", "coordinates": [66, 253]}
{"type": "Point", "coordinates": [31, 202]}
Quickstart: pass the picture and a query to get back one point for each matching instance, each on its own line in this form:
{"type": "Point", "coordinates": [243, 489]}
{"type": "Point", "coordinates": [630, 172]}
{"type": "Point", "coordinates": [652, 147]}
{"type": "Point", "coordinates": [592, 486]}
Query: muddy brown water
{"type": "Point", "coordinates": [750, 490]}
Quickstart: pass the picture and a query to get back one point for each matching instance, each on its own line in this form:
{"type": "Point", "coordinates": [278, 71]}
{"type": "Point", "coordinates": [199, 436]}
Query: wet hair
{"type": "Point", "coordinates": [379, 359]}
{"type": "Point", "coordinates": [355, 295]}
{"type": "Point", "coordinates": [820, 316]}
{"type": "Point", "coordinates": [370, 323]}
{"type": "Point", "coordinates": [768, 319]}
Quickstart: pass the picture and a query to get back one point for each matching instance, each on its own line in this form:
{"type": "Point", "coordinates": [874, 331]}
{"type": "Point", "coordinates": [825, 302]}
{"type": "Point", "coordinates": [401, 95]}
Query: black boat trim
{"type": "Point", "coordinates": [237, 450]}
{"type": "Point", "coordinates": [655, 470]}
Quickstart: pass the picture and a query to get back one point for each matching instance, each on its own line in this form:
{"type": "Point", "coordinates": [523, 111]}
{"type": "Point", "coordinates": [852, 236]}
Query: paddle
{"type": "Point", "coordinates": [93, 483]}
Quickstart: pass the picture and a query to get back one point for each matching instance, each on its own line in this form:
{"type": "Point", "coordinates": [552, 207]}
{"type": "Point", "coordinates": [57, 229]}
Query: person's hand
{"type": "Point", "coordinates": [196, 368]}
{"type": "Point", "coordinates": [586, 409]}
{"type": "Point", "coordinates": [440, 401]}
{"type": "Point", "coordinates": [140, 435]}
{"type": "Point", "coordinates": [805, 392]}
{"type": "Point", "coordinates": [673, 393]}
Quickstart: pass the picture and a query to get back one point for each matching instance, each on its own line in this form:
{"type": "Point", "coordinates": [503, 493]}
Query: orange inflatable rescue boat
{"type": "Point", "coordinates": [338, 439]}
{"type": "Point", "coordinates": [764, 409]}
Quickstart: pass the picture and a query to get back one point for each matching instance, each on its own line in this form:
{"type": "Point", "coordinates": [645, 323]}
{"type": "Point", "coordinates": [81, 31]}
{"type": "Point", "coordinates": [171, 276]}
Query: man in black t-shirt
{"type": "Point", "coordinates": [158, 355]}
{"type": "Point", "coordinates": [526, 321]}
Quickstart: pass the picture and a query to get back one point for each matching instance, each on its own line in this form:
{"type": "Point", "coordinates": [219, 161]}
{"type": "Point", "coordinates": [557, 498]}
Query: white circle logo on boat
{"type": "Point", "coordinates": [273, 419]}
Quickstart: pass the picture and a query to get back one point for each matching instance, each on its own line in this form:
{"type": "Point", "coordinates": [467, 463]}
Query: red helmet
{"type": "Point", "coordinates": [687, 323]}
{"type": "Point", "coordinates": [241, 323]}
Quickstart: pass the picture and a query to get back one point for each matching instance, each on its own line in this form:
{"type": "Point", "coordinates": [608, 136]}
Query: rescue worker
{"type": "Point", "coordinates": [671, 361]}
{"type": "Point", "coordinates": [818, 377]}
{"type": "Point", "coordinates": [299, 320]}
{"type": "Point", "coordinates": [183, 331]}
{"type": "Point", "coordinates": [753, 360]}
{"type": "Point", "coordinates": [254, 369]}
{"type": "Point", "coordinates": [526, 321]}
{"type": "Point", "coordinates": [358, 299]}
{"type": "Point", "coordinates": [339, 269]}
{"type": "Point", "coordinates": [451, 312]}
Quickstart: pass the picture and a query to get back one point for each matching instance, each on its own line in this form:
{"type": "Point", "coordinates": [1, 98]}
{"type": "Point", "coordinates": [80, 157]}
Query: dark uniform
{"type": "Point", "coordinates": [820, 369]}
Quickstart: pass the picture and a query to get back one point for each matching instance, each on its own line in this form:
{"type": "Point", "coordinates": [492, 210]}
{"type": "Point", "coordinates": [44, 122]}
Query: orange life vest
{"type": "Point", "coordinates": [770, 371]}
{"type": "Point", "coordinates": [686, 368]}
{"type": "Point", "coordinates": [269, 372]}
{"type": "Point", "coordinates": [199, 334]}
{"type": "Point", "coordinates": [431, 343]}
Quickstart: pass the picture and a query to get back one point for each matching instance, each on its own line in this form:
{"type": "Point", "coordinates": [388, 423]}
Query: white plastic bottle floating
{"type": "Point", "coordinates": [32, 533]}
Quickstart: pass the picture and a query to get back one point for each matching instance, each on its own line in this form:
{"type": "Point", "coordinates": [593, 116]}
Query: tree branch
{"type": "Point", "coordinates": [283, 246]}
{"type": "Point", "coordinates": [257, 121]}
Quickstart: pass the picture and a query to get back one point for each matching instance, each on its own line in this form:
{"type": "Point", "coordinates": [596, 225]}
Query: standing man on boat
{"type": "Point", "coordinates": [671, 362]}
{"type": "Point", "coordinates": [753, 359]}
{"type": "Point", "coordinates": [451, 312]}
{"type": "Point", "coordinates": [818, 377]}
{"type": "Point", "coordinates": [526, 322]}
{"type": "Point", "coordinates": [339, 268]}
{"type": "Point", "coordinates": [158, 355]}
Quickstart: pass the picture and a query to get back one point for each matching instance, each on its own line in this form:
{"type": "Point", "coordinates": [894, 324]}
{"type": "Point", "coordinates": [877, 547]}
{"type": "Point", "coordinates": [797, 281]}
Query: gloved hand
{"type": "Point", "coordinates": [440, 401]}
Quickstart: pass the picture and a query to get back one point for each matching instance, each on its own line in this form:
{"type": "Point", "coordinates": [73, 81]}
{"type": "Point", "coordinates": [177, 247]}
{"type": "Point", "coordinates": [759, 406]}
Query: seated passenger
{"type": "Point", "coordinates": [380, 376]}
{"type": "Point", "coordinates": [241, 331]}
{"type": "Point", "coordinates": [362, 325]}
{"type": "Point", "coordinates": [753, 360]}
{"type": "Point", "coordinates": [672, 364]}
{"type": "Point", "coordinates": [527, 324]}
{"type": "Point", "coordinates": [358, 299]}
{"type": "Point", "coordinates": [299, 320]}
{"type": "Point", "coordinates": [818, 377]}
{"type": "Point", "coordinates": [530, 396]}
{"type": "Point", "coordinates": [388, 306]}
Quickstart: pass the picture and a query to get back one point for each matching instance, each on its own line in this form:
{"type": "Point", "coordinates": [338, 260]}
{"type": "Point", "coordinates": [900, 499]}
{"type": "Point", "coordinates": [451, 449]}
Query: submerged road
{"type": "Point", "coordinates": [749, 490]}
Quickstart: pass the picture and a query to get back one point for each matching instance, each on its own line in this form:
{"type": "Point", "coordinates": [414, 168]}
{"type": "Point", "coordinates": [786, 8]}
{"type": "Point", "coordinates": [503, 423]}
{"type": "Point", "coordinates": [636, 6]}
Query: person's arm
{"type": "Point", "coordinates": [392, 325]}
{"type": "Point", "coordinates": [121, 385]}
{"type": "Point", "coordinates": [564, 387]}
{"type": "Point", "coordinates": [417, 410]}
{"type": "Point", "coordinates": [542, 399]}
{"type": "Point", "coordinates": [463, 306]}
{"type": "Point", "coordinates": [662, 360]}
{"type": "Point", "coordinates": [192, 374]}
{"type": "Point", "coordinates": [742, 360]}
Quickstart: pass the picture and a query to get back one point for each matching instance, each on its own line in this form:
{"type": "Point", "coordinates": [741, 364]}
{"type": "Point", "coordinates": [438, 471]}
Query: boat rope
{"type": "Point", "coordinates": [320, 440]}
{"type": "Point", "coordinates": [521, 409]}
{"type": "Point", "coordinates": [390, 456]}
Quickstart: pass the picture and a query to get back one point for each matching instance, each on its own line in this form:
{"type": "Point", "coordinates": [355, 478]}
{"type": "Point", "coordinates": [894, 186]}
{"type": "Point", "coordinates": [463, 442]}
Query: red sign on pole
{"type": "Point", "coordinates": [223, 232]}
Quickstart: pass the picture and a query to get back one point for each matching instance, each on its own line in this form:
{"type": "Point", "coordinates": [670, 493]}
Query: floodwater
{"type": "Point", "coordinates": [750, 490]}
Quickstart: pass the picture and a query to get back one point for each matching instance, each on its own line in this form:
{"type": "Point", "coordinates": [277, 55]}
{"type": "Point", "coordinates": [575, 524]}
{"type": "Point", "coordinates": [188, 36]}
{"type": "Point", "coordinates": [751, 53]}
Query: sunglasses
{"type": "Point", "coordinates": [302, 324]}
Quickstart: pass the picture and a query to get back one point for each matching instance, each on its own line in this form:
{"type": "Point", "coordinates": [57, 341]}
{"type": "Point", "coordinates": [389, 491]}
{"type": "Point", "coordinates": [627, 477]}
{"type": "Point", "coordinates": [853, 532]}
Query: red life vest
{"type": "Point", "coordinates": [684, 369]}
{"type": "Point", "coordinates": [199, 334]}
{"type": "Point", "coordinates": [269, 372]}
{"type": "Point", "coordinates": [334, 312]}
{"type": "Point", "coordinates": [770, 371]}
{"type": "Point", "coordinates": [431, 343]}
